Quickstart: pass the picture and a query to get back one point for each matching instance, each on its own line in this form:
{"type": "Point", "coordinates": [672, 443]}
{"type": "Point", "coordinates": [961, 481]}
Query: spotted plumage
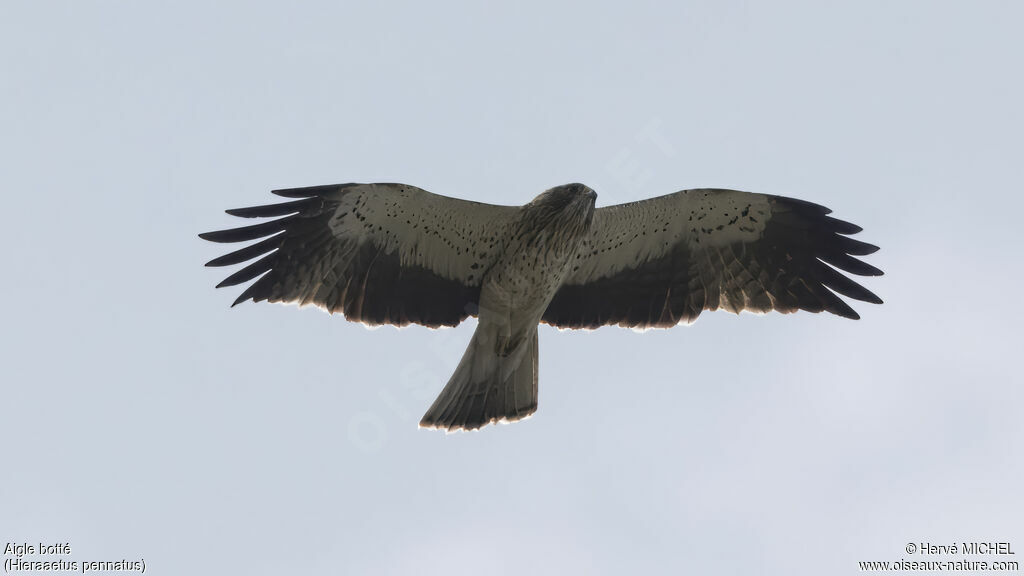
{"type": "Point", "coordinates": [396, 254]}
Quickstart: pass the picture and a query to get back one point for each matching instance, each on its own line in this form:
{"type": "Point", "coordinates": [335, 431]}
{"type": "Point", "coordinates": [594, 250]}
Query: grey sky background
{"type": "Point", "coordinates": [143, 418]}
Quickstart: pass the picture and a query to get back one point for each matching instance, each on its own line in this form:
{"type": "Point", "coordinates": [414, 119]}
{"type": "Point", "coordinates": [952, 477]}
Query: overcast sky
{"type": "Point", "coordinates": [144, 419]}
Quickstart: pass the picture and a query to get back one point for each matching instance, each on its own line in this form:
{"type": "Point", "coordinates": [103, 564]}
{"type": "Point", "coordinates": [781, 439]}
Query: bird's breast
{"type": "Point", "coordinates": [531, 270]}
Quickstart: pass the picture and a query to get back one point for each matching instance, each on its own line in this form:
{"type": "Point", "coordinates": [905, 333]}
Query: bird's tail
{"type": "Point", "coordinates": [490, 384]}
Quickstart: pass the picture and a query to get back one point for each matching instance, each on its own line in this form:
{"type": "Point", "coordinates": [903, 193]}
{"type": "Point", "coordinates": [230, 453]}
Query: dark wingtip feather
{"type": "Point", "coordinates": [801, 205]}
{"type": "Point", "coordinates": [835, 304]}
{"type": "Point", "coordinates": [251, 292]}
{"type": "Point", "coordinates": [294, 193]}
{"type": "Point", "coordinates": [850, 264]}
{"type": "Point", "coordinates": [855, 247]}
{"type": "Point", "coordinates": [270, 210]}
{"type": "Point", "coordinates": [249, 272]}
{"type": "Point", "coordinates": [246, 233]}
{"type": "Point", "coordinates": [843, 285]}
{"type": "Point", "coordinates": [867, 249]}
{"type": "Point", "coordinates": [842, 226]}
{"type": "Point", "coordinates": [247, 253]}
{"type": "Point", "coordinates": [309, 191]}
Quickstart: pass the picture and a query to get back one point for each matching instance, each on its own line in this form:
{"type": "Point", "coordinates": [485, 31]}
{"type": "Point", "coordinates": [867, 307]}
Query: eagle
{"type": "Point", "coordinates": [396, 254]}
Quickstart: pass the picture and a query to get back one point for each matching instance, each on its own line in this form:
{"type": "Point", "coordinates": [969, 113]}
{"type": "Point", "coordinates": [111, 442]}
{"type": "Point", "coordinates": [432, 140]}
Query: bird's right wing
{"type": "Point", "coordinates": [378, 253]}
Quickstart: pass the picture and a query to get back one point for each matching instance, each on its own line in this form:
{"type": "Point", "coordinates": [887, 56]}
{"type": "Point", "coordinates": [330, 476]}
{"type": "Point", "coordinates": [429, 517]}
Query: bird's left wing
{"type": "Point", "coordinates": [378, 253]}
{"type": "Point", "coordinates": [659, 262]}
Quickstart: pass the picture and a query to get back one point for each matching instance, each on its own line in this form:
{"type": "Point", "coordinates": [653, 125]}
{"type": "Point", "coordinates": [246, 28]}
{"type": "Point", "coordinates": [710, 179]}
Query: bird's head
{"type": "Point", "coordinates": [570, 206]}
{"type": "Point", "coordinates": [567, 193]}
{"type": "Point", "coordinates": [574, 201]}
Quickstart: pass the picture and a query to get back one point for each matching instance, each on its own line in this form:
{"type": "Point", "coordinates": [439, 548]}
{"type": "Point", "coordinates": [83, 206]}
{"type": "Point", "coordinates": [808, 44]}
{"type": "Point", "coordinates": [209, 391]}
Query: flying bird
{"type": "Point", "coordinates": [397, 254]}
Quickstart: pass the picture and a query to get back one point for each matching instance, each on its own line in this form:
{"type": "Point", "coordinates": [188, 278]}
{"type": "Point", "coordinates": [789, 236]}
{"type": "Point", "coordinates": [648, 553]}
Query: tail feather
{"type": "Point", "coordinates": [487, 387]}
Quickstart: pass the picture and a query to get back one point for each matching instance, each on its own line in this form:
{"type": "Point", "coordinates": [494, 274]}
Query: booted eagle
{"type": "Point", "coordinates": [396, 254]}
